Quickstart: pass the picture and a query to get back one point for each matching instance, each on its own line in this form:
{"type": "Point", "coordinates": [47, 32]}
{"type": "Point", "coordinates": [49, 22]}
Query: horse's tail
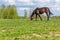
{"type": "Point", "coordinates": [50, 13]}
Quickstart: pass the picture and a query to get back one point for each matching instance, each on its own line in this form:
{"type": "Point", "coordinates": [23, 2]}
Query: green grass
{"type": "Point", "coordinates": [23, 29]}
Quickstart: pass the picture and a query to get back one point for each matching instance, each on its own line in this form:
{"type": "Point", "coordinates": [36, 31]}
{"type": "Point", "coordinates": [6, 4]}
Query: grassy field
{"type": "Point", "coordinates": [24, 29]}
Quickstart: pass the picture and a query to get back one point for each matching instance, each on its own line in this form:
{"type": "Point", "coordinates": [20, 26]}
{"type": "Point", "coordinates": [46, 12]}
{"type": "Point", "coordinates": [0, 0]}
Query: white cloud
{"type": "Point", "coordinates": [44, 0]}
{"type": "Point", "coordinates": [58, 8]}
{"type": "Point", "coordinates": [24, 0]}
{"type": "Point", "coordinates": [56, 5]}
{"type": "Point", "coordinates": [30, 3]}
{"type": "Point", "coordinates": [11, 2]}
{"type": "Point", "coordinates": [5, 0]}
{"type": "Point", "coordinates": [22, 8]}
{"type": "Point", "coordinates": [57, 1]}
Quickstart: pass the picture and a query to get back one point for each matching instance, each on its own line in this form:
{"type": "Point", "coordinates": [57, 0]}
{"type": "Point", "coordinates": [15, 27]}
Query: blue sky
{"type": "Point", "coordinates": [54, 5]}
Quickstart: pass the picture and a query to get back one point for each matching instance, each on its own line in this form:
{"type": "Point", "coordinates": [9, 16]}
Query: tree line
{"type": "Point", "coordinates": [8, 12]}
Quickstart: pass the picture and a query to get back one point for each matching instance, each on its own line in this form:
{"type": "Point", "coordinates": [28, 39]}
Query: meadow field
{"type": "Point", "coordinates": [25, 29]}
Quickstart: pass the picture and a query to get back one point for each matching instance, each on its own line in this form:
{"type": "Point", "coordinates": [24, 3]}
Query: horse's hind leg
{"type": "Point", "coordinates": [47, 16]}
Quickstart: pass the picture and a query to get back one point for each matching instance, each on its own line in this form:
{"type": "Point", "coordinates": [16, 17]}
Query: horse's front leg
{"type": "Point", "coordinates": [48, 17]}
{"type": "Point", "coordinates": [40, 17]}
{"type": "Point", "coordinates": [36, 17]}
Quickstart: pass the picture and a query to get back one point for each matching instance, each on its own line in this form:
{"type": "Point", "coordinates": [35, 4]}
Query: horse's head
{"type": "Point", "coordinates": [31, 17]}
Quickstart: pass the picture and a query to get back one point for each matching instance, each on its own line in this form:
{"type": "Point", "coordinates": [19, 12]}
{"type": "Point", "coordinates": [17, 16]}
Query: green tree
{"type": "Point", "coordinates": [8, 12]}
{"type": "Point", "coordinates": [12, 12]}
{"type": "Point", "coordinates": [2, 11]}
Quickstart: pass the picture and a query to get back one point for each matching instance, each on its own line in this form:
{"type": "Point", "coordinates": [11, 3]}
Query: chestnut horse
{"type": "Point", "coordinates": [39, 11]}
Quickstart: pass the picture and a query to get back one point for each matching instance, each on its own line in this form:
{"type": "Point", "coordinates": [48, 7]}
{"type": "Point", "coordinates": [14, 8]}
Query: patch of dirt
{"type": "Point", "coordinates": [9, 38]}
{"type": "Point", "coordinates": [37, 35]}
{"type": "Point", "coordinates": [25, 36]}
{"type": "Point", "coordinates": [3, 30]}
{"type": "Point", "coordinates": [51, 34]}
{"type": "Point", "coordinates": [57, 34]}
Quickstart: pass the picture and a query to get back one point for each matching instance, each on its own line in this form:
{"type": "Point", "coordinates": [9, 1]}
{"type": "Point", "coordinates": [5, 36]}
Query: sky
{"type": "Point", "coordinates": [21, 5]}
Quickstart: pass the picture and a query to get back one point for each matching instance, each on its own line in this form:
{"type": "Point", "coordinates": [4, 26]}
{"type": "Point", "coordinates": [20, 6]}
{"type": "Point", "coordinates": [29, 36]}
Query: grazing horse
{"type": "Point", "coordinates": [39, 11]}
